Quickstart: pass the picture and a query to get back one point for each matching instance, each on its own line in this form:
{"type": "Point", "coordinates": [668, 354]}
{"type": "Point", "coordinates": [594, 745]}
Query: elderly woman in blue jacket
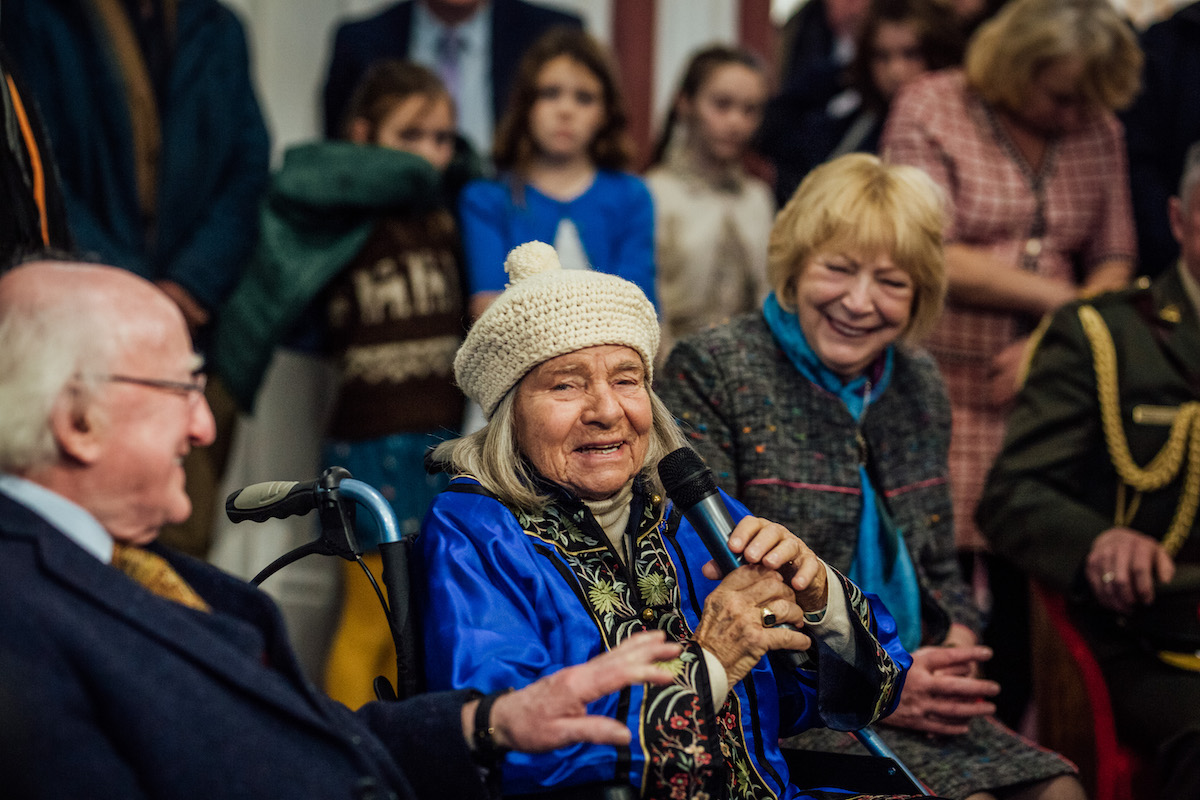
{"type": "Point", "coordinates": [554, 542]}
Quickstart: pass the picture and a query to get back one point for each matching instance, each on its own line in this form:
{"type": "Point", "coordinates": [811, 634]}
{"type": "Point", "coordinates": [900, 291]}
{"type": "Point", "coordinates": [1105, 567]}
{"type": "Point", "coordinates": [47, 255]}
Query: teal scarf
{"type": "Point", "coordinates": [882, 564]}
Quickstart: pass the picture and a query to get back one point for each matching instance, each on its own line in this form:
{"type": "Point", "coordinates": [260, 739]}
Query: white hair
{"type": "Point", "coordinates": [49, 348]}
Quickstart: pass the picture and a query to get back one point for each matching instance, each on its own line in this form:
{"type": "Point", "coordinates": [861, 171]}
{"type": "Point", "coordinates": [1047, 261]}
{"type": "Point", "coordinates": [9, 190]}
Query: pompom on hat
{"type": "Point", "coordinates": [547, 311]}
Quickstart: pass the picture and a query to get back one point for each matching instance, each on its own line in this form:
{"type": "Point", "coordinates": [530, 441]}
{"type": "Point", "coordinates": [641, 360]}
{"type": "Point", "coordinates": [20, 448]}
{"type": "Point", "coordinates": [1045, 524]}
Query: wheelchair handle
{"type": "Point", "coordinates": [272, 500]}
{"type": "Point", "coordinates": [393, 550]}
{"type": "Point", "coordinates": [372, 500]}
{"type": "Point", "coordinates": [335, 495]}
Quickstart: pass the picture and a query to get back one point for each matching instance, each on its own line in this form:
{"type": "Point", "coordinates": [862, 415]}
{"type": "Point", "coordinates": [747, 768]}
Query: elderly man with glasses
{"type": "Point", "coordinates": [128, 670]}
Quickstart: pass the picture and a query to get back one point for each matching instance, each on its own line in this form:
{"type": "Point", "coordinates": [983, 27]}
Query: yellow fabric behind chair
{"type": "Point", "coordinates": [362, 646]}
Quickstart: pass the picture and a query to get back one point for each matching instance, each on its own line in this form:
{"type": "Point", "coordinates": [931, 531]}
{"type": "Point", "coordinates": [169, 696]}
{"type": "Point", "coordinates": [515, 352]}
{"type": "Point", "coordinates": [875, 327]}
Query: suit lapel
{"type": "Point", "coordinates": [401, 18]}
{"type": "Point", "coordinates": [174, 627]}
{"type": "Point", "coordinates": [506, 54]}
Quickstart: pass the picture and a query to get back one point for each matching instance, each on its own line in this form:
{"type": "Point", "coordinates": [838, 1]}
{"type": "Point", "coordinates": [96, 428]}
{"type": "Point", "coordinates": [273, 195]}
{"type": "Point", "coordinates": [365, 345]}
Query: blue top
{"type": "Point", "coordinates": [615, 219]}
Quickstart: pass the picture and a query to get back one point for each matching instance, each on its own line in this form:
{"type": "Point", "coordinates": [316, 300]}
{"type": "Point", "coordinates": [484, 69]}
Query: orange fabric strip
{"type": "Point", "coordinates": [35, 160]}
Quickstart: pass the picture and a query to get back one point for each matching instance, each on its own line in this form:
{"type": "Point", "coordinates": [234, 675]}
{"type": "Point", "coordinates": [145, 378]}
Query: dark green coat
{"type": "Point", "coordinates": [1052, 491]}
{"type": "Point", "coordinates": [319, 210]}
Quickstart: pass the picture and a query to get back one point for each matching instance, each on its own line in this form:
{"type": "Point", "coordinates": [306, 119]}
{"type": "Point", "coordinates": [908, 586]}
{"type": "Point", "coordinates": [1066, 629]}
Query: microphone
{"type": "Point", "coordinates": [691, 486]}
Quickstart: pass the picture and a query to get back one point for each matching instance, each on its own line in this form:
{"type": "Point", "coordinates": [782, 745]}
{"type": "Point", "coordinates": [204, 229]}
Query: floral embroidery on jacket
{"type": "Point", "coordinates": [690, 751]}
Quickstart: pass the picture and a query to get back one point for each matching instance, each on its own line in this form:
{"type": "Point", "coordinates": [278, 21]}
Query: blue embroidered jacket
{"type": "Point", "coordinates": [509, 597]}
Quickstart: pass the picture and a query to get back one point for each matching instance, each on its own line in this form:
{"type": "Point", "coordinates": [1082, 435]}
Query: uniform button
{"type": "Point", "coordinates": [648, 614]}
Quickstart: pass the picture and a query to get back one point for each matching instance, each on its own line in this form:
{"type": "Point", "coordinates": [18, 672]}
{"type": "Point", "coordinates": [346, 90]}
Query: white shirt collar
{"type": "Point", "coordinates": [72, 520]}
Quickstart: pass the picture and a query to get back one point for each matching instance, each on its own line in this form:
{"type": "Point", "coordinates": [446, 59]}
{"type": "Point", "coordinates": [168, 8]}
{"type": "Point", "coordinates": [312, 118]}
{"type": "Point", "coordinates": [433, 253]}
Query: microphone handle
{"type": "Point", "coordinates": [710, 517]}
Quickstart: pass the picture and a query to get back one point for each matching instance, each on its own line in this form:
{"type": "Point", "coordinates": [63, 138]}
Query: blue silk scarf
{"type": "Point", "coordinates": [882, 564]}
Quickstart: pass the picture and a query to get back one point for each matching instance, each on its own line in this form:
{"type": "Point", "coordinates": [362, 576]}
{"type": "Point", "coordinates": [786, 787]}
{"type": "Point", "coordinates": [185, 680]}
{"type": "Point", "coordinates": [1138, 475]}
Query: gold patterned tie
{"type": "Point", "coordinates": [153, 572]}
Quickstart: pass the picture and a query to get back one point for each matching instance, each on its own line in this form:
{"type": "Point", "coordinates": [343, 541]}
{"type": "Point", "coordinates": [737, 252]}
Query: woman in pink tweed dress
{"type": "Point", "coordinates": [1025, 143]}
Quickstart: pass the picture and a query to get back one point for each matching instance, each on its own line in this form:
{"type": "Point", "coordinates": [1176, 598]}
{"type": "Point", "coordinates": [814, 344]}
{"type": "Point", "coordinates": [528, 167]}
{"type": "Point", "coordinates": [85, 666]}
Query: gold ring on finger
{"type": "Point", "coordinates": [768, 617]}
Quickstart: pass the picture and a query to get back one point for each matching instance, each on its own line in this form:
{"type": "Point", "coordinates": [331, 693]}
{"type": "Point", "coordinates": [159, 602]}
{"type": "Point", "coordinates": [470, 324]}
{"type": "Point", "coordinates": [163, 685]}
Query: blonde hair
{"type": "Point", "coordinates": [1009, 50]}
{"type": "Point", "coordinates": [860, 203]}
{"type": "Point", "coordinates": [492, 454]}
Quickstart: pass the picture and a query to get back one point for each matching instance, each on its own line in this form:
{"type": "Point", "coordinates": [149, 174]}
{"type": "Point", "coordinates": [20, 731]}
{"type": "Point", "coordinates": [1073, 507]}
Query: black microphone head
{"type": "Point", "coordinates": [685, 477]}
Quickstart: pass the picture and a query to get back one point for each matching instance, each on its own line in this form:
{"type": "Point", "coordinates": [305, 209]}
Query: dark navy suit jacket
{"type": "Point", "coordinates": [108, 691]}
{"type": "Point", "coordinates": [357, 45]}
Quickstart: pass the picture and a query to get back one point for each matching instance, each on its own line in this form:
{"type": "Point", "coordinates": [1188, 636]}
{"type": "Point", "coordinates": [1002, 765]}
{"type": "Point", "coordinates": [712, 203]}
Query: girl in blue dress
{"type": "Point", "coordinates": [560, 151]}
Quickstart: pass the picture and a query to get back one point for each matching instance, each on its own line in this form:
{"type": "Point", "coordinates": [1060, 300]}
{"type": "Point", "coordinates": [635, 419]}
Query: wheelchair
{"type": "Point", "coordinates": [338, 497]}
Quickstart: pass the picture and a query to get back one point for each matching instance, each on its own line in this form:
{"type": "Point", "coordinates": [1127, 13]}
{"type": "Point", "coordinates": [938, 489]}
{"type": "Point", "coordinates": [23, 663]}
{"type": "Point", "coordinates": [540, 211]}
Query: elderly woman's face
{"type": "Point", "coordinates": [583, 419]}
{"type": "Point", "coordinates": [851, 306]}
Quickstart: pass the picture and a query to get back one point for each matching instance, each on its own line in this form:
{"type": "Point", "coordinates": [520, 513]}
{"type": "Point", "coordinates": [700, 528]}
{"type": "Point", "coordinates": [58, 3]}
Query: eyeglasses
{"type": "Point", "coordinates": [193, 390]}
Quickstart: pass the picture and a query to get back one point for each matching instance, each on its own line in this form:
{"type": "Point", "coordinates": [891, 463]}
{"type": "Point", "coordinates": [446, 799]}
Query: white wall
{"type": "Point", "coordinates": [682, 26]}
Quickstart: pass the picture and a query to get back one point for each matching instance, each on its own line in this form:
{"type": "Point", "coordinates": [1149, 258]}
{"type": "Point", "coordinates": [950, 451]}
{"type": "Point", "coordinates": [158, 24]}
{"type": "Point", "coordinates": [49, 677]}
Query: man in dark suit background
{"type": "Point", "coordinates": [491, 36]}
{"type": "Point", "coordinates": [128, 670]}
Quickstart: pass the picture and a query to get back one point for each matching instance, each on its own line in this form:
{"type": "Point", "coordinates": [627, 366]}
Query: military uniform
{"type": "Point", "coordinates": [1054, 488]}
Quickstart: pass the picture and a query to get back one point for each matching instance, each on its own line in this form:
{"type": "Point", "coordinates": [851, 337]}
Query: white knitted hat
{"type": "Point", "coordinates": [546, 311]}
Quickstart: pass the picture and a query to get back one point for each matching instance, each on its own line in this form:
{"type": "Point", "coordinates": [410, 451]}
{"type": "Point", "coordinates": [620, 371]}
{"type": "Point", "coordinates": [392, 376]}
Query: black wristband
{"type": "Point", "coordinates": [487, 752]}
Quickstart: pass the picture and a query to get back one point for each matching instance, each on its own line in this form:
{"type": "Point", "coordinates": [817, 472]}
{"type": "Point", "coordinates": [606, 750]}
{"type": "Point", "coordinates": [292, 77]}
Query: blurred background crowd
{"type": "Point", "coordinates": [328, 188]}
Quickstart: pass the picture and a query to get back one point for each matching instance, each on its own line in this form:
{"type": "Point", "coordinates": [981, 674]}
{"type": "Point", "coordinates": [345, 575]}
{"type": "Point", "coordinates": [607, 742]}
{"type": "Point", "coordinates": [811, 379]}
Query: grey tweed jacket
{"type": "Point", "coordinates": [789, 450]}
